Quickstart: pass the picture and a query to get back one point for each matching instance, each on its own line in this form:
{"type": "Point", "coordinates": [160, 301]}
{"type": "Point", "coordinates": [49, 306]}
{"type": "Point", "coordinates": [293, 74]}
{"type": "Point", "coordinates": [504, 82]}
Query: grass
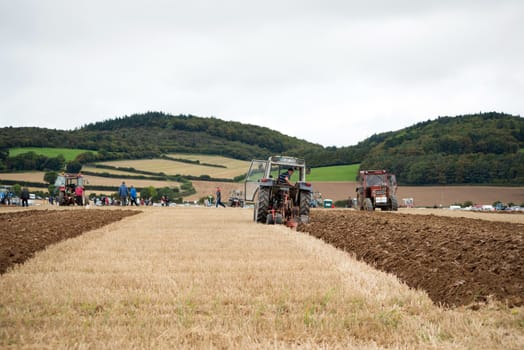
{"type": "Point", "coordinates": [68, 153]}
{"type": "Point", "coordinates": [210, 278]}
{"type": "Point", "coordinates": [334, 173]}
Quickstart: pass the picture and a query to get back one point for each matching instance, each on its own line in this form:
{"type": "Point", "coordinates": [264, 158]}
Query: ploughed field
{"type": "Point", "coordinates": [22, 233]}
{"type": "Point", "coordinates": [457, 261]}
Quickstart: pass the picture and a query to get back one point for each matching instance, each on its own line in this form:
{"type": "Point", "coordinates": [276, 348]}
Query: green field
{"type": "Point", "coordinates": [334, 173]}
{"type": "Point", "coordinates": [68, 153]}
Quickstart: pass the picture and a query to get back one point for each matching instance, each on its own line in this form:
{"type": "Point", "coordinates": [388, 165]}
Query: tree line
{"type": "Point", "coordinates": [478, 148]}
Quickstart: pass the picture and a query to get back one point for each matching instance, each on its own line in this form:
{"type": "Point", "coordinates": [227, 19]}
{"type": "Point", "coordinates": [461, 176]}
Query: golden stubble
{"type": "Point", "coordinates": [211, 278]}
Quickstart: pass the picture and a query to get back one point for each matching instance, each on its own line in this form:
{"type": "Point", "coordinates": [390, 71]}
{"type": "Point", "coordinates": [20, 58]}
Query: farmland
{"type": "Point", "coordinates": [429, 196]}
{"type": "Point", "coordinates": [68, 153]}
{"type": "Point", "coordinates": [38, 176]}
{"type": "Point", "coordinates": [232, 167]}
{"type": "Point", "coordinates": [210, 278]}
{"type": "Point", "coordinates": [333, 182]}
{"type": "Point", "coordinates": [334, 173]}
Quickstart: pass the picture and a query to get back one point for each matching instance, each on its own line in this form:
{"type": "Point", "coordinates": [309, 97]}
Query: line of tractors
{"type": "Point", "coordinates": [277, 201]}
{"type": "Point", "coordinates": [280, 202]}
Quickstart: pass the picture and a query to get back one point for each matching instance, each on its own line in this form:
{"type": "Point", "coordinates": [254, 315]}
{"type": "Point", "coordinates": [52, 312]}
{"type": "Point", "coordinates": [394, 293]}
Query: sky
{"type": "Point", "coordinates": [332, 72]}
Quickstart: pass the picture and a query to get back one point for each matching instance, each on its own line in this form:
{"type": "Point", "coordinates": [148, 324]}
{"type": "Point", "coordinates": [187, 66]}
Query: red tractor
{"type": "Point", "coordinates": [66, 185]}
{"type": "Point", "coordinates": [377, 189]}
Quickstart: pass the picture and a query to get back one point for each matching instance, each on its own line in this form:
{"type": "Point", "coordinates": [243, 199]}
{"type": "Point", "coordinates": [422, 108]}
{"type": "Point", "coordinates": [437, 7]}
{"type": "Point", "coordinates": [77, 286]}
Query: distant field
{"type": "Point", "coordinates": [68, 153]}
{"type": "Point", "coordinates": [229, 163]}
{"type": "Point", "coordinates": [334, 173]}
{"type": "Point", "coordinates": [233, 167]}
{"type": "Point", "coordinates": [38, 176]}
{"type": "Point", "coordinates": [93, 169]}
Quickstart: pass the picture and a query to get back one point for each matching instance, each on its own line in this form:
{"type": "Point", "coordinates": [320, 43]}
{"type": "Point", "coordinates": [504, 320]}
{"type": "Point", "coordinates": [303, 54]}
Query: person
{"type": "Point", "coordinates": [79, 194]}
{"type": "Point", "coordinates": [219, 198]}
{"type": "Point", "coordinates": [285, 177]}
{"type": "Point", "coordinates": [25, 196]}
{"type": "Point", "coordinates": [122, 193]}
{"type": "Point", "coordinates": [132, 194]}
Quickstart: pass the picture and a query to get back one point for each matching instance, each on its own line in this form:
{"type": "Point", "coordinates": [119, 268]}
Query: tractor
{"type": "Point", "coordinates": [376, 189]}
{"type": "Point", "coordinates": [66, 184]}
{"type": "Point", "coordinates": [235, 199]}
{"type": "Point", "coordinates": [277, 202]}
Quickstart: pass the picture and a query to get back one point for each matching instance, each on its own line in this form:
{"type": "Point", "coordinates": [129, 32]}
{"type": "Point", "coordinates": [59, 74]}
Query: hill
{"type": "Point", "coordinates": [472, 149]}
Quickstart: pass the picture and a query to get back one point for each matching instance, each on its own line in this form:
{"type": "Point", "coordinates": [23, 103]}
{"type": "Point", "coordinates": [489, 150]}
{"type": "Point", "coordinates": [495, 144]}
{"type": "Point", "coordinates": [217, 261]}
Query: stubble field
{"type": "Point", "coordinates": [211, 278]}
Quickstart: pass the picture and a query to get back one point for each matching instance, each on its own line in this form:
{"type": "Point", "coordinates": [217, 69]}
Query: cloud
{"type": "Point", "coordinates": [330, 72]}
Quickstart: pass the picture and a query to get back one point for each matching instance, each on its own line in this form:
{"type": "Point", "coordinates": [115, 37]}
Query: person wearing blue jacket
{"type": "Point", "coordinates": [122, 193]}
{"type": "Point", "coordinates": [132, 194]}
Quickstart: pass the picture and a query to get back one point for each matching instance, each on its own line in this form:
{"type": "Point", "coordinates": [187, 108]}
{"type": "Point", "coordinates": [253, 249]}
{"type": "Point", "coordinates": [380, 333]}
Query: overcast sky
{"type": "Point", "coordinates": [330, 72]}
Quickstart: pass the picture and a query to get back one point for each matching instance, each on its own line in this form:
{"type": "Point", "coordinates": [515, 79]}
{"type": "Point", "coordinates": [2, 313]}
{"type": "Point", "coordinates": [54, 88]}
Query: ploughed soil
{"type": "Point", "coordinates": [22, 233]}
{"type": "Point", "coordinates": [457, 261]}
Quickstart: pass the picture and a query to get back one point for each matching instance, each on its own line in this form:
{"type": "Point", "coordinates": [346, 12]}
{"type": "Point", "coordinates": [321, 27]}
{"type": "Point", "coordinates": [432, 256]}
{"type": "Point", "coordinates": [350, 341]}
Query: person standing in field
{"type": "Point", "coordinates": [25, 196]}
{"type": "Point", "coordinates": [219, 198]}
{"type": "Point", "coordinates": [79, 194]}
{"type": "Point", "coordinates": [132, 194]}
{"type": "Point", "coordinates": [122, 193]}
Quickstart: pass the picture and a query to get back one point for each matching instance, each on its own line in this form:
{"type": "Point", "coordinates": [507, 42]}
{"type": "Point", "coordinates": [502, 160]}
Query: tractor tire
{"type": "Point", "coordinates": [368, 205]}
{"type": "Point", "coordinates": [305, 203]}
{"type": "Point", "coordinates": [61, 200]}
{"type": "Point", "coordinates": [278, 219]}
{"type": "Point", "coordinates": [394, 203]}
{"type": "Point", "coordinates": [270, 220]}
{"type": "Point", "coordinates": [262, 205]}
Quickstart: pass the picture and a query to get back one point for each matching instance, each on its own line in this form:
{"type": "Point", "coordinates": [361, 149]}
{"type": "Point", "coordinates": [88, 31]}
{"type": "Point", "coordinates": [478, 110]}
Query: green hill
{"type": "Point", "coordinates": [481, 148]}
{"type": "Point", "coordinates": [474, 149]}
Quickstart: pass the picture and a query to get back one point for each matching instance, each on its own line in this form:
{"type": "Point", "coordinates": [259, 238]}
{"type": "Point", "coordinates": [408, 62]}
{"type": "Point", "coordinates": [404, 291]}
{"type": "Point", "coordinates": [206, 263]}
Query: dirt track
{"type": "Point", "coordinates": [458, 261]}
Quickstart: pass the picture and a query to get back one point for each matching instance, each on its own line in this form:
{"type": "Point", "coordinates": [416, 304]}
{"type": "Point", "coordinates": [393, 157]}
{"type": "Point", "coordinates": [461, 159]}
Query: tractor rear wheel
{"type": "Point", "coordinates": [305, 202]}
{"type": "Point", "coordinates": [262, 205]}
{"type": "Point", "coordinates": [368, 205]}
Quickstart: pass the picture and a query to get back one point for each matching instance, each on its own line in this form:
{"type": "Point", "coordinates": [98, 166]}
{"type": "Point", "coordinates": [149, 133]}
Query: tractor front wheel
{"type": "Point", "coordinates": [368, 205]}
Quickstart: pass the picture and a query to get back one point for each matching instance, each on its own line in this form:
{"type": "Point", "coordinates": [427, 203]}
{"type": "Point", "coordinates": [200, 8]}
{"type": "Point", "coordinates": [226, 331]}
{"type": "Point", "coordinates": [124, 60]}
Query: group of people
{"type": "Point", "coordinates": [124, 193]}
{"type": "Point", "coordinates": [6, 197]}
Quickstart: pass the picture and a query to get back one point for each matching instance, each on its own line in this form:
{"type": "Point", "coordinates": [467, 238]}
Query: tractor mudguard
{"type": "Point", "coordinates": [304, 187]}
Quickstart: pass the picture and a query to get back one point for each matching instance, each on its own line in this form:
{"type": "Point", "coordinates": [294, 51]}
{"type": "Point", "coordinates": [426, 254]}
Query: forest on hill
{"type": "Point", "coordinates": [478, 149]}
{"type": "Point", "coordinates": [472, 149]}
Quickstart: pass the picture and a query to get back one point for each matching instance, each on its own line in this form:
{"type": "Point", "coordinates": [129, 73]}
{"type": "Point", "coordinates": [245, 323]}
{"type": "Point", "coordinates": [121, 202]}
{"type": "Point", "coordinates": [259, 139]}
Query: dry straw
{"type": "Point", "coordinates": [211, 278]}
